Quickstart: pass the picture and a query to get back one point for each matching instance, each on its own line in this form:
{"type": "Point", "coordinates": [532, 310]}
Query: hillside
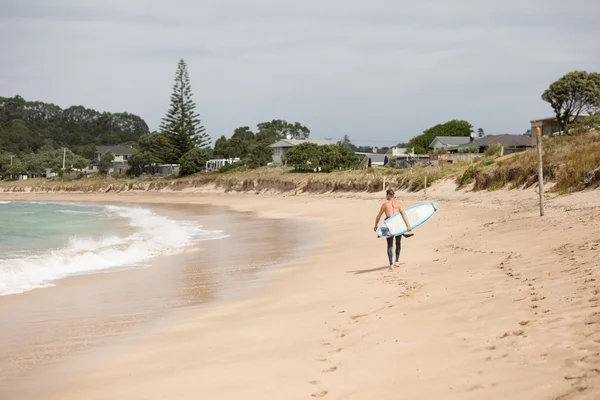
{"type": "Point", "coordinates": [30, 126]}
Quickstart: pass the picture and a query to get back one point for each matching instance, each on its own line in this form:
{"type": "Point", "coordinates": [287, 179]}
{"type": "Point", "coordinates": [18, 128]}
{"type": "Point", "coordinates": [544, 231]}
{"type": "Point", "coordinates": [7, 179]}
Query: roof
{"type": "Point", "coordinates": [451, 140]}
{"type": "Point", "coordinates": [504, 140]}
{"type": "Point", "coordinates": [375, 158]}
{"type": "Point", "coordinates": [554, 118]}
{"type": "Point", "coordinates": [126, 150]}
{"type": "Point", "coordinates": [294, 142]}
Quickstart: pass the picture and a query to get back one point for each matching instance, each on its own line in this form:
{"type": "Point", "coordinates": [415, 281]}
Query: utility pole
{"type": "Point", "coordinates": [11, 160]}
{"type": "Point", "coordinates": [538, 135]}
{"type": "Point", "coordinates": [64, 157]}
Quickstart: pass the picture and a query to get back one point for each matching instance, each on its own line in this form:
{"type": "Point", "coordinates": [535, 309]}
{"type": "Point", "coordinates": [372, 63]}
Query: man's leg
{"type": "Point", "coordinates": [398, 247]}
{"type": "Point", "coordinates": [390, 245]}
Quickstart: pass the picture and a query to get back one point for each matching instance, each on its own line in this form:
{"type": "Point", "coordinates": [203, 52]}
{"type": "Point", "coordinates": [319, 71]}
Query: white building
{"type": "Point", "coordinates": [218, 163]}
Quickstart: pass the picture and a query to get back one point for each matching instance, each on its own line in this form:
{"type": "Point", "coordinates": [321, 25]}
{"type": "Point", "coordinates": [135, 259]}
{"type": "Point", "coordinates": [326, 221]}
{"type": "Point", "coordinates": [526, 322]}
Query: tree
{"type": "Point", "coordinates": [222, 148]}
{"type": "Point", "coordinates": [572, 94]}
{"type": "Point", "coordinates": [159, 148]}
{"type": "Point", "coordinates": [238, 145]}
{"type": "Point", "coordinates": [279, 129]}
{"type": "Point", "coordinates": [106, 162]}
{"type": "Point", "coordinates": [182, 124]}
{"type": "Point", "coordinates": [28, 126]}
{"type": "Point", "coordinates": [259, 154]}
{"type": "Point", "coordinates": [193, 161]}
{"type": "Point", "coordinates": [304, 157]}
{"type": "Point", "coordinates": [480, 133]}
{"type": "Point", "coordinates": [451, 128]}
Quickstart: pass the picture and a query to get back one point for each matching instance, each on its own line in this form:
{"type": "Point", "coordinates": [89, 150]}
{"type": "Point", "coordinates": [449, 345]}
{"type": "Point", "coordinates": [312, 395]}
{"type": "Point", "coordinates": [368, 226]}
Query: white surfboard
{"type": "Point", "coordinates": [417, 215]}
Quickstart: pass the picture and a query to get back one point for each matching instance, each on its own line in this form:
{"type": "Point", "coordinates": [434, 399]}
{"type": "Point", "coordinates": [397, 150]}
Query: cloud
{"type": "Point", "coordinates": [375, 70]}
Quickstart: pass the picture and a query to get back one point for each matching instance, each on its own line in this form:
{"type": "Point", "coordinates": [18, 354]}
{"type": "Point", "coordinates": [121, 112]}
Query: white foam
{"type": "Point", "coordinates": [5, 202]}
{"type": "Point", "coordinates": [149, 235]}
{"type": "Point", "coordinates": [74, 212]}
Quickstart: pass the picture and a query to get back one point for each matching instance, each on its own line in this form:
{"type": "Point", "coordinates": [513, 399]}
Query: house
{"type": "Point", "coordinates": [121, 154]}
{"type": "Point", "coordinates": [511, 143]}
{"type": "Point", "coordinates": [93, 167]}
{"type": "Point", "coordinates": [215, 164]}
{"type": "Point", "coordinates": [398, 152]}
{"type": "Point", "coordinates": [167, 169]}
{"type": "Point", "coordinates": [281, 148]}
{"type": "Point", "coordinates": [549, 126]}
{"type": "Point", "coordinates": [449, 142]}
{"type": "Point", "coordinates": [372, 160]}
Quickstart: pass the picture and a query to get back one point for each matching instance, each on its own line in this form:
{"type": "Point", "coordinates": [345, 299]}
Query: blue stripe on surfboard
{"type": "Point", "coordinates": [435, 208]}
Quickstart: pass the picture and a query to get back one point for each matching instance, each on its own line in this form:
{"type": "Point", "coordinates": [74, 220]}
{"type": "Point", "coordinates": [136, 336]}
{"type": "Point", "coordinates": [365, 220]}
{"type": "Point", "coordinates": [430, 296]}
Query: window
{"type": "Point", "coordinates": [125, 157]}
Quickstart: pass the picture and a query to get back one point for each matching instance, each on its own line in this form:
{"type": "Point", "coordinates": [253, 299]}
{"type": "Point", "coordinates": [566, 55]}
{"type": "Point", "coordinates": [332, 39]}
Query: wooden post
{"type": "Point", "coordinates": [540, 169]}
{"type": "Point", "coordinates": [425, 185]}
{"type": "Point", "coordinates": [384, 183]}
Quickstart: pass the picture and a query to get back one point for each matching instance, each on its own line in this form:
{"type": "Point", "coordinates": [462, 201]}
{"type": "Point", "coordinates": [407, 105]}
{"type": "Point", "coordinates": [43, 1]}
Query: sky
{"type": "Point", "coordinates": [379, 71]}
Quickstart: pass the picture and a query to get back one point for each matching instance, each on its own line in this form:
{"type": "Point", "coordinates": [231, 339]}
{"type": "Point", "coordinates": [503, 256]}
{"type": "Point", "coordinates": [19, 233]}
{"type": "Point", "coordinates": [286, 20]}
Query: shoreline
{"type": "Point", "coordinates": [131, 314]}
{"type": "Point", "coordinates": [489, 303]}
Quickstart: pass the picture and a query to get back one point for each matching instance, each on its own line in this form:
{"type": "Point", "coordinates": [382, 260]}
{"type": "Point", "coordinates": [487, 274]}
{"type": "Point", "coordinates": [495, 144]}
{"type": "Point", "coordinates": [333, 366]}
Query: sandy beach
{"type": "Point", "coordinates": [490, 302]}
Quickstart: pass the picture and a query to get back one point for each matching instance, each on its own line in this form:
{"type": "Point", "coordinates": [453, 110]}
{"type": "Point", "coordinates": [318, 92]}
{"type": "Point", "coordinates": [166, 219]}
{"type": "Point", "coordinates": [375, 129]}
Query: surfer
{"type": "Point", "coordinates": [389, 207]}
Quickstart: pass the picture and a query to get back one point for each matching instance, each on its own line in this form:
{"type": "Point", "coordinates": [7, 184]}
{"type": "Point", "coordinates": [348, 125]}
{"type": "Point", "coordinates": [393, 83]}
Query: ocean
{"type": "Point", "coordinates": [41, 243]}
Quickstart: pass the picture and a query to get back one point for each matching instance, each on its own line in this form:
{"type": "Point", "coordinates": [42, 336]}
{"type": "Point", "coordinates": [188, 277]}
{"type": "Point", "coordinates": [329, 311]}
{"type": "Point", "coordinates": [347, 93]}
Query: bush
{"type": "Point", "coordinates": [467, 177]}
{"type": "Point", "coordinates": [493, 150]}
{"type": "Point", "coordinates": [236, 166]}
{"type": "Point", "coordinates": [327, 158]}
{"type": "Point", "coordinates": [193, 161]}
{"type": "Point", "coordinates": [303, 157]}
{"type": "Point", "coordinates": [469, 149]}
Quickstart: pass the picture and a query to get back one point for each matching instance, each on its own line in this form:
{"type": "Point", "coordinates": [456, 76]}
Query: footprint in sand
{"type": "Point", "coordinates": [320, 394]}
{"type": "Point", "coordinates": [513, 333]}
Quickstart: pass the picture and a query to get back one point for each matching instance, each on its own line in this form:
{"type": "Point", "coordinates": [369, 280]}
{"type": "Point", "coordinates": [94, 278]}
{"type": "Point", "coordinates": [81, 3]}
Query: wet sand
{"type": "Point", "coordinates": [491, 302]}
{"type": "Point", "coordinates": [45, 330]}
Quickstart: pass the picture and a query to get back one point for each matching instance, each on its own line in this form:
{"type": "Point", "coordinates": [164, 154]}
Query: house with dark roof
{"type": "Point", "coordinates": [449, 142]}
{"type": "Point", "coordinates": [281, 147]}
{"type": "Point", "coordinates": [511, 143]}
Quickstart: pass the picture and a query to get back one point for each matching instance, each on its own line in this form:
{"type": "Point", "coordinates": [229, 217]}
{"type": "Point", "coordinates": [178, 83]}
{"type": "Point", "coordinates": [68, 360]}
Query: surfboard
{"type": "Point", "coordinates": [417, 215]}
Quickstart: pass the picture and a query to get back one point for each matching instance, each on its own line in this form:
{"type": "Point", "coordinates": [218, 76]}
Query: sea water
{"type": "Point", "coordinates": [41, 243]}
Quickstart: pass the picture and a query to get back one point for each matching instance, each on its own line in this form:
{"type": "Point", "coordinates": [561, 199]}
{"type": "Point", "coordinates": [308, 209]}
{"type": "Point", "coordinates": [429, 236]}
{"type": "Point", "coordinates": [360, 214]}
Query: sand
{"type": "Point", "coordinates": [491, 302]}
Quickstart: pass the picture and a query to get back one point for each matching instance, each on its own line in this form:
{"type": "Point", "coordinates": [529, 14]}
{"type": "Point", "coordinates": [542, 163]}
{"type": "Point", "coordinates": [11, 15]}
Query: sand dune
{"type": "Point", "coordinates": [491, 302]}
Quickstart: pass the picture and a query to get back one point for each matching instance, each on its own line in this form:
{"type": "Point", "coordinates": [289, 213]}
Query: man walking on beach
{"type": "Point", "coordinates": [389, 207]}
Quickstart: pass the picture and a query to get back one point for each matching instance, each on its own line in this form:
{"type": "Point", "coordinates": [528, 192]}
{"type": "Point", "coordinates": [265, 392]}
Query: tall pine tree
{"type": "Point", "coordinates": [182, 124]}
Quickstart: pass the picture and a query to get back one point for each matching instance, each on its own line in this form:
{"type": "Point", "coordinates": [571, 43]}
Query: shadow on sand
{"type": "Point", "coordinates": [366, 271]}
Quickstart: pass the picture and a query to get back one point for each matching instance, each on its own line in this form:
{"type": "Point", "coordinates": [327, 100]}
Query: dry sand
{"type": "Point", "coordinates": [491, 302]}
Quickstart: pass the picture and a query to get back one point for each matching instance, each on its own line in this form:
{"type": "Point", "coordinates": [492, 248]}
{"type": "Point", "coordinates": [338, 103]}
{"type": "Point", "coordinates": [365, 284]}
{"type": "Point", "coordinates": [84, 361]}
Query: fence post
{"type": "Point", "coordinates": [425, 185]}
{"type": "Point", "coordinates": [540, 169]}
{"type": "Point", "coordinates": [384, 183]}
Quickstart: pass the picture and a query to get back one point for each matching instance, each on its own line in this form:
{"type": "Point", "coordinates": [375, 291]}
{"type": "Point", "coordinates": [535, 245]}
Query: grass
{"type": "Point", "coordinates": [572, 163]}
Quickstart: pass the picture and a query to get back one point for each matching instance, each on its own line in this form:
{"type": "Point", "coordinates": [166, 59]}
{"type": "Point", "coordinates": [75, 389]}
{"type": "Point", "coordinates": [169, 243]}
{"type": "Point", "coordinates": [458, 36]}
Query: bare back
{"type": "Point", "coordinates": [391, 207]}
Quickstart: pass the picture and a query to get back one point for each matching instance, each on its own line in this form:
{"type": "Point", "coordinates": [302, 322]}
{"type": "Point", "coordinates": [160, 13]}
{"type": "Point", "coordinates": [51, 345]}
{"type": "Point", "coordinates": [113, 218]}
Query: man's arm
{"type": "Point", "coordinates": [404, 216]}
{"type": "Point", "coordinates": [378, 218]}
